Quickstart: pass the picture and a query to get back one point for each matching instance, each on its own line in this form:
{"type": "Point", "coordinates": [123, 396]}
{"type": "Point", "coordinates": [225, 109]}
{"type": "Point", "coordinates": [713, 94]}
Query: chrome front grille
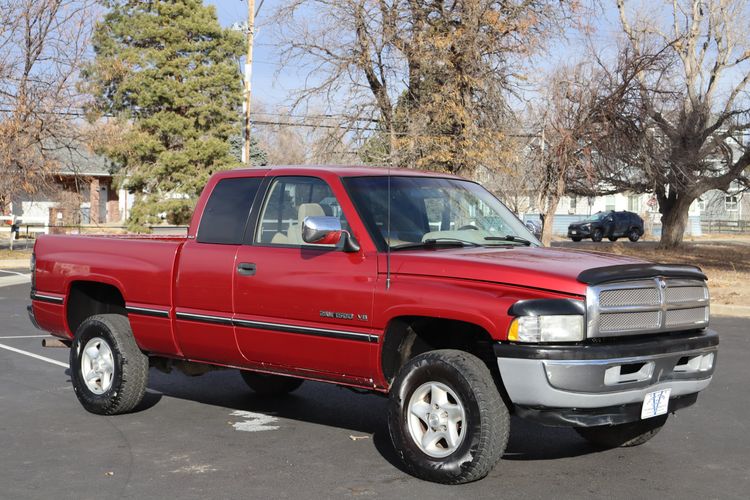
{"type": "Point", "coordinates": [628, 296]}
{"type": "Point", "coordinates": [646, 306]}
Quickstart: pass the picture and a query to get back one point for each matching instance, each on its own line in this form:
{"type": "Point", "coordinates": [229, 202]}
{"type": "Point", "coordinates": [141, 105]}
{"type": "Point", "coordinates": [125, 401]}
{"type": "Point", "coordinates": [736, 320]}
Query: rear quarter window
{"type": "Point", "coordinates": [227, 210]}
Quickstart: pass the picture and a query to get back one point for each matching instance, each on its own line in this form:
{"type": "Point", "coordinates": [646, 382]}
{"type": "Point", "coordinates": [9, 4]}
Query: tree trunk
{"type": "Point", "coordinates": [674, 220]}
{"type": "Point", "coordinates": [548, 219]}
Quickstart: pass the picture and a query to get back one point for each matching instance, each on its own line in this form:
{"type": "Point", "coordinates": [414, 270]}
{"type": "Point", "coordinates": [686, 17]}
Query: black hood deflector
{"type": "Point", "coordinates": [624, 272]}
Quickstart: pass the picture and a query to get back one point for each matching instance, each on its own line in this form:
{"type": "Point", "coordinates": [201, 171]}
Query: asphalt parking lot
{"type": "Point", "coordinates": [210, 437]}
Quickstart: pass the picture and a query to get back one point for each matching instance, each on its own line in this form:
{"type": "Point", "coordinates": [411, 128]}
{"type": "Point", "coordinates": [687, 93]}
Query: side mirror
{"type": "Point", "coordinates": [325, 230]}
{"type": "Point", "coordinates": [321, 230]}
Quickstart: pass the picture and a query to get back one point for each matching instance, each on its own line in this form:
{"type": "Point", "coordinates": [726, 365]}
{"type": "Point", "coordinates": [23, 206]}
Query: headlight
{"type": "Point", "coordinates": [550, 328]}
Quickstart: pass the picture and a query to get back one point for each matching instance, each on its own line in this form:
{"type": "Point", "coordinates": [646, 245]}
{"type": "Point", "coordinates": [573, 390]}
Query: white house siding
{"type": "Point", "coordinates": [36, 212]}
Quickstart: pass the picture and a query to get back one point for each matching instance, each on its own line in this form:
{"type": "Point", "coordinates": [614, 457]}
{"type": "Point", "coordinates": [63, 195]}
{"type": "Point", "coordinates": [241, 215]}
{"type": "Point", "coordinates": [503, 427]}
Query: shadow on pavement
{"type": "Point", "coordinates": [333, 406]}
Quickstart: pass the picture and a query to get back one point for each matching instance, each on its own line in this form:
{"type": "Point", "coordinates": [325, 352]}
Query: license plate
{"type": "Point", "coordinates": [574, 232]}
{"type": "Point", "coordinates": [655, 403]}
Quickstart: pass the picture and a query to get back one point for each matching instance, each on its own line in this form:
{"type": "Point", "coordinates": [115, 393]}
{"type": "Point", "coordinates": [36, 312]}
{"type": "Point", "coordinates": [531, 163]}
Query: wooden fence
{"type": "Point", "coordinates": [725, 226]}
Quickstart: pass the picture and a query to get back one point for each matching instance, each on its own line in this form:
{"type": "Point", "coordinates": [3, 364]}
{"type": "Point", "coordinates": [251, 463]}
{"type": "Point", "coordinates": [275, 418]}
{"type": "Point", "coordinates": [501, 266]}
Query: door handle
{"type": "Point", "coordinates": [246, 268]}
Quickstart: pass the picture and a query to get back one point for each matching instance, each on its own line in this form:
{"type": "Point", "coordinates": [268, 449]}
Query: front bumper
{"type": "Point", "coordinates": [579, 232]}
{"type": "Point", "coordinates": [598, 384]}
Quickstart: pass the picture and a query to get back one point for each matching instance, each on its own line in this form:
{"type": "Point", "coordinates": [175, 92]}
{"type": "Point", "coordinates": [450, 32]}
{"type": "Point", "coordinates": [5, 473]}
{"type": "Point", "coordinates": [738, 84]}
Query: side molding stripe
{"type": "Point", "coordinates": [47, 298]}
{"type": "Point", "coordinates": [262, 325]}
{"type": "Point", "coordinates": [145, 311]}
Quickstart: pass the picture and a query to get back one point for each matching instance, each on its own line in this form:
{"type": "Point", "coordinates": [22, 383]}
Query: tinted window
{"type": "Point", "coordinates": [227, 209]}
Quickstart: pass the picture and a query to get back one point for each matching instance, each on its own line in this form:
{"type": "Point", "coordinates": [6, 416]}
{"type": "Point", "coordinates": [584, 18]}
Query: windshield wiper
{"type": "Point", "coordinates": [437, 242]}
{"type": "Point", "coordinates": [510, 238]}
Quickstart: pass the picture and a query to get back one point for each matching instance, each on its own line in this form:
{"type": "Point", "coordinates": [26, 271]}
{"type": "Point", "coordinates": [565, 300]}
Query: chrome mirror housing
{"type": "Point", "coordinates": [321, 230]}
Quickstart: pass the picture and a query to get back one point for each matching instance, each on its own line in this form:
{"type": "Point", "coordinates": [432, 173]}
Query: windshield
{"type": "Point", "coordinates": [596, 217]}
{"type": "Point", "coordinates": [428, 208]}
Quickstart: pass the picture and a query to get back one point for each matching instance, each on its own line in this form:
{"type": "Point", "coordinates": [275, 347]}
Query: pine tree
{"type": "Point", "coordinates": [167, 72]}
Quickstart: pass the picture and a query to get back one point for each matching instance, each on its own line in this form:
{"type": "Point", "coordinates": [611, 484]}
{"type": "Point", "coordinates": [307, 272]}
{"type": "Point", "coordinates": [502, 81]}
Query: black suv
{"type": "Point", "coordinates": [611, 224]}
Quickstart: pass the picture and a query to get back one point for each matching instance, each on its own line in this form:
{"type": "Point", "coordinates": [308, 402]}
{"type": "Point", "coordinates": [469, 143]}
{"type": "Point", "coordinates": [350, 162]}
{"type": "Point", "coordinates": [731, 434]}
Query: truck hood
{"type": "Point", "coordinates": [531, 267]}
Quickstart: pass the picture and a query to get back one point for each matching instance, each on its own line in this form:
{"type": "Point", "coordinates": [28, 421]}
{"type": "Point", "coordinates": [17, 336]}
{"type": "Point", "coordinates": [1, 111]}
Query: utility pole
{"type": "Point", "coordinates": [248, 78]}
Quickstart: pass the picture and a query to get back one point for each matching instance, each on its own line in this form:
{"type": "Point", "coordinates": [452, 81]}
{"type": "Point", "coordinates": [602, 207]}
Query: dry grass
{"type": "Point", "coordinates": [15, 254]}
{"type": "Point", "coordinates": [725, 261]}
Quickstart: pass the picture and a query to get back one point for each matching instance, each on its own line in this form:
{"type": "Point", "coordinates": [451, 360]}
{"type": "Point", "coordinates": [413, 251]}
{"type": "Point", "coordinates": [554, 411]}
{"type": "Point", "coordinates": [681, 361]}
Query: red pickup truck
{"type": "Point", "coordinates": [420, 286]}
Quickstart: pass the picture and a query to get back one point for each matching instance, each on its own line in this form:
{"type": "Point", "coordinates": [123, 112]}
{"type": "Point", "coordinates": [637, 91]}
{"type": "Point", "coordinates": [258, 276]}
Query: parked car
{"type": "Point", "coordinates": [419, 286]}
{"type": "Point", "coordinates": [609, 224]}
{"type": "Point", "coordinates": [535, 227]}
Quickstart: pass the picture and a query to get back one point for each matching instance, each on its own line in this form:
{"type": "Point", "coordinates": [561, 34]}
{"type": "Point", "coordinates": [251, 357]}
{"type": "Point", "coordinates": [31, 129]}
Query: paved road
{"type": "Point", "coordinates": [209, 437]}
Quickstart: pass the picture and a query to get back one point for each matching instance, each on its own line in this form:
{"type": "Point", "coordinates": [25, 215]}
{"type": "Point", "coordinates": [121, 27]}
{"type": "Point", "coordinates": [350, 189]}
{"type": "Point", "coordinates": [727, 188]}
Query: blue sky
{"type": "Point", "coordinates": [268, 89]}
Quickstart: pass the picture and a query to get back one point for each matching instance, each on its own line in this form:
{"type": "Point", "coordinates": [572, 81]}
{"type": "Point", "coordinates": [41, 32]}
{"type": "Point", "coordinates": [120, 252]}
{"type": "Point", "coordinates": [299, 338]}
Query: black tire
{"type": "Point", "coordinates": [483, 438]}
{"type": "Point", "coordinates": [623, 435]}
{"type": "Point", "coordinates": [576, 238]}
{"type": "Point", "coordinates": [597, 235]}
{"type": "Point", "coordinates": [264, 384]}
{"type": "Point", "coordinates": [612, 238]}
{"type": "Point", "coordinates": [124, 389]}
{"type": "Point", "coordinates": [634, 235]}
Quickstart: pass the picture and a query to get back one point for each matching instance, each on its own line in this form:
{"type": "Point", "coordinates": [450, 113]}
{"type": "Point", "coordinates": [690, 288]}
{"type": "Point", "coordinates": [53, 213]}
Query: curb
{"type": "Point", "coordinates": [15, 263]}
{"type": "Point", "coordinates": [730, 310]}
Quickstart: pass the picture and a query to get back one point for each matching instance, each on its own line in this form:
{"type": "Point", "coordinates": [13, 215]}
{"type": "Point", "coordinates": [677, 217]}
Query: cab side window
{"type": "Point", "coordinates": [289, 201]}
{"type": "Point", "coordinates": [228, 207]}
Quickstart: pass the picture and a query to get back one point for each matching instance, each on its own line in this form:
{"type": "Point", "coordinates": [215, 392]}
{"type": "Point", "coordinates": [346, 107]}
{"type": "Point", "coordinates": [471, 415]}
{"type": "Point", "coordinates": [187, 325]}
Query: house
{"type": "Point", "coordinates": [725, 211]}
{"type": "Point", "coordinates": [80, 190]}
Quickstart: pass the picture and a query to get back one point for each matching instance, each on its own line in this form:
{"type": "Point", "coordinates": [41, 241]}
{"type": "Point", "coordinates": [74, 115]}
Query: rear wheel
{"type": "Point", "coordinates": [623, 435]}
{"type": "Point", "coordinates": [597, 235]}
{"type": "Point", "coordinates": [446, 418]}
{"type": "Point", "coordinates": [108, 370]}
{"type": "Point", "coordinates": [264, 384]}
{"type": "Point", "coordinates": [634, 235]}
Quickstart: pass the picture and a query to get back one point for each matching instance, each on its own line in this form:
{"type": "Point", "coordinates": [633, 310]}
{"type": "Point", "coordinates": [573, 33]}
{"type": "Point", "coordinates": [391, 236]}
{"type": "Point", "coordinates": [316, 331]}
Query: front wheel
{"type": "Point", "coordinates": [446, 418]}
{"type": "Point", "coordinates": [108, 370]}
{"type": "Point", "coordinates": [576, 238]}
{"type": "Point", "coordinates": [623, 435]}
{"type": "Point", "coordinates": [597, 235]}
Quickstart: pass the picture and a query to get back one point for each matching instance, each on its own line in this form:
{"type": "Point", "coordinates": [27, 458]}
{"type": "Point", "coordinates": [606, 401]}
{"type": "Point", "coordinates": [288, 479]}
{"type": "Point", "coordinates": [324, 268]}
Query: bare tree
{"type": "Point", "coordinates": [434, 76]}
{"type": "Point", "coordinates": [569, 116]}
{"type": "Point", "coordinates": [682, 76]}
{"type": "Point", "coordinates": [42, 43]}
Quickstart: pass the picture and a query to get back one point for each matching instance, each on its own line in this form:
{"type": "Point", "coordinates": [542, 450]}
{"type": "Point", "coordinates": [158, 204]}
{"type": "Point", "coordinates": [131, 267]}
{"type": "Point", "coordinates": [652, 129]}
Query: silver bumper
{"type": "Point", "coordinates": [606, 376]}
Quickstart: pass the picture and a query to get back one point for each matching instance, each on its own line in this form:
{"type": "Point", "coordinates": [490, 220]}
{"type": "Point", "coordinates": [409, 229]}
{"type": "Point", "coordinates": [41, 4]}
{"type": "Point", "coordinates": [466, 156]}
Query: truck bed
{"type": "Point", "coordinates": [141, 267]}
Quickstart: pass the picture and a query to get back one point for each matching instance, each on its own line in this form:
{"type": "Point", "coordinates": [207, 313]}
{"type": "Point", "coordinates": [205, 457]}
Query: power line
{"type": "Point", "coordinates": [303, 124]}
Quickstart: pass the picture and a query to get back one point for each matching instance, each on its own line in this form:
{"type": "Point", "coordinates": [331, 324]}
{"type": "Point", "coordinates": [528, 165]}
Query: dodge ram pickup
{"type": "Point", "coordinates": [422, 287]}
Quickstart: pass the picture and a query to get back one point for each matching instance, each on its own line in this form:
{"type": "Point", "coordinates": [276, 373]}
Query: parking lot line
{"type": "Point", "coordinates": [11, 272]}
{"type": "Point", "coordinates": [14, 279]}
{"type": "Point", "coordinates": [35, 356]}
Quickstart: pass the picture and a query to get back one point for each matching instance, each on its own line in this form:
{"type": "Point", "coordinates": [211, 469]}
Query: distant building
{"type": "Point", "coordinates": [79, 191]}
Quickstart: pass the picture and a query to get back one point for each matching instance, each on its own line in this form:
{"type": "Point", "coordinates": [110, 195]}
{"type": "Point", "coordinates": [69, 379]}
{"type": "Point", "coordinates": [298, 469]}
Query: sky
{"type": "Point", "coordinates": [269, 89]}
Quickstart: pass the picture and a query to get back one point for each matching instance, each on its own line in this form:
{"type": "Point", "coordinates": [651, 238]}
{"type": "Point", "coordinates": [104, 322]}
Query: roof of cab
{"type": "Point", "coordinates": [339, 170]}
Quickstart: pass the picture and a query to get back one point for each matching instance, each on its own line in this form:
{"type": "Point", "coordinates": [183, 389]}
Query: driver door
{"type": "Point", "coordinates": [304, 308]}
